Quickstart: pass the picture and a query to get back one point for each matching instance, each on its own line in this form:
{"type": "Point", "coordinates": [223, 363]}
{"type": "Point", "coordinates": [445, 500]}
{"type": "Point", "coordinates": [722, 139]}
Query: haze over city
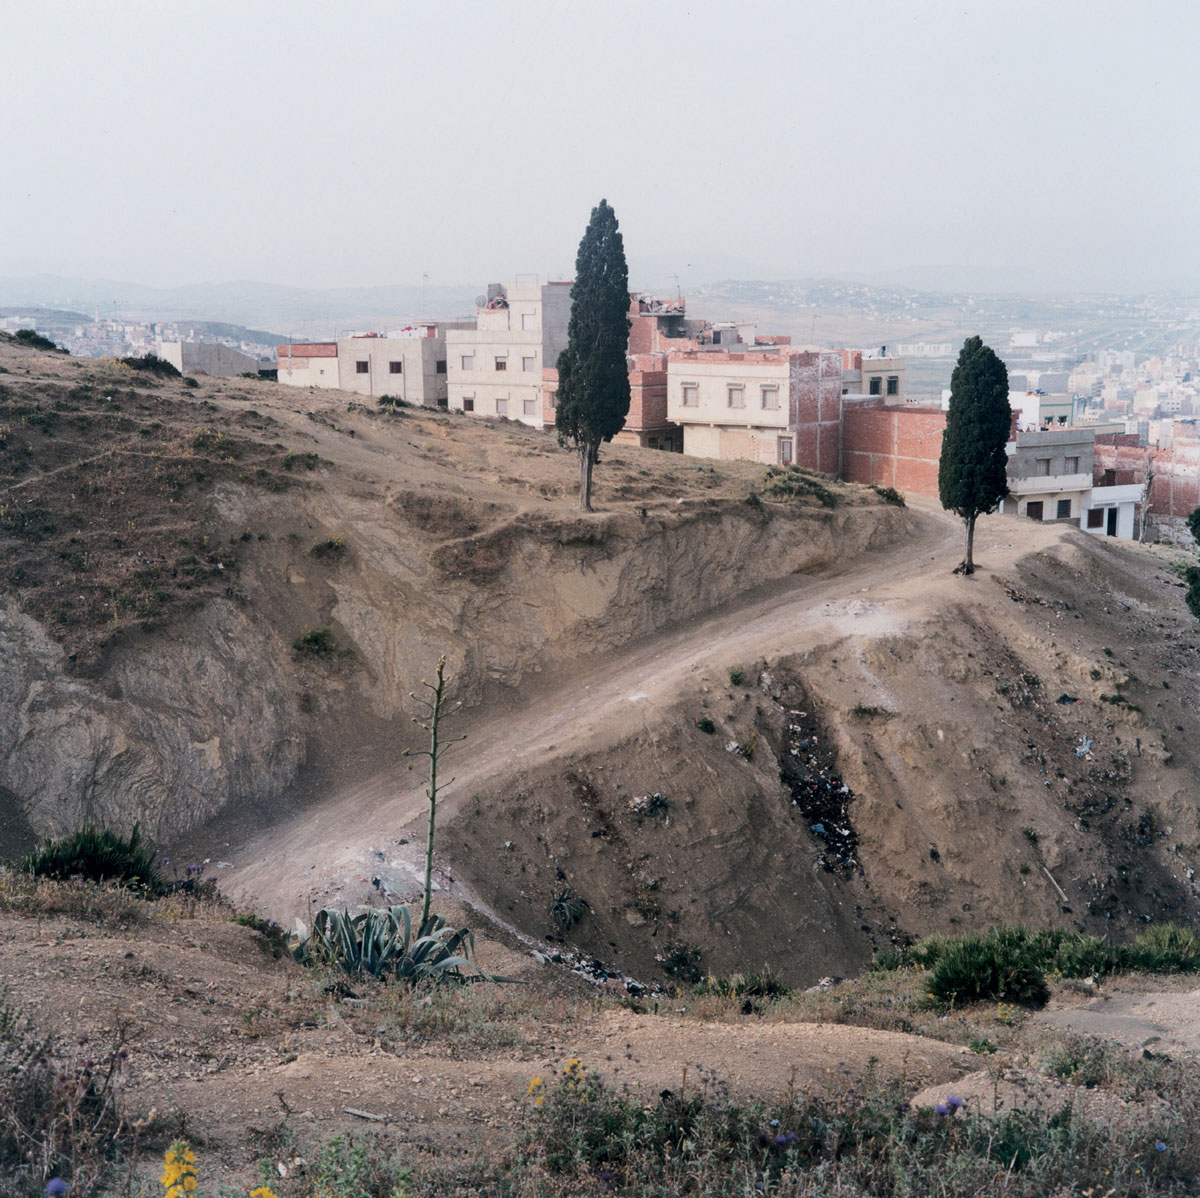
{"type": "Point", "coordinates": [1030, 147]}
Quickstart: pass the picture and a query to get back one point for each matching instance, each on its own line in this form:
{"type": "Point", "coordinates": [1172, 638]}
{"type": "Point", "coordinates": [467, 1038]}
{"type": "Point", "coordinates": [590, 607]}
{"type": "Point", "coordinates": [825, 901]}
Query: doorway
{"type": "Point", "coordinates": [785, 451]}
{"type": "Point", "coordinates": [1111, 529]}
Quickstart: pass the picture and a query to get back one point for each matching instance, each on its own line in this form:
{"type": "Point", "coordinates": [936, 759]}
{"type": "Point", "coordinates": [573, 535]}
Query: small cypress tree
{"type": "Point", "coordinates": [593, 377]}
{"type": "Point", "coordinates": [972, 470]}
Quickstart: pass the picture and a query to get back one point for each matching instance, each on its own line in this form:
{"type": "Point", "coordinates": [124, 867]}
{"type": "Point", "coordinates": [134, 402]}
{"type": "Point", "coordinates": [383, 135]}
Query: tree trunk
{"type": "Point", "coordinates": [969, 560]}
{"type": "Point", "coordinates": [586, 458]}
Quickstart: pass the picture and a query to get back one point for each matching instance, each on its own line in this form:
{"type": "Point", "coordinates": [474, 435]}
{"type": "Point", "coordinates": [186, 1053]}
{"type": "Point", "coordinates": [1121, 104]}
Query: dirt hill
{"type": "Point", "coordinates": [851, 746]}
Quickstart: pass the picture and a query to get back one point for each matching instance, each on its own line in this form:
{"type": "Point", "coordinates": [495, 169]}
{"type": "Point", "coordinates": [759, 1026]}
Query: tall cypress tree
{"type": "Point", "coordinates": [972, 471]}
{"type": "Point", "coordinates": [593, 378]}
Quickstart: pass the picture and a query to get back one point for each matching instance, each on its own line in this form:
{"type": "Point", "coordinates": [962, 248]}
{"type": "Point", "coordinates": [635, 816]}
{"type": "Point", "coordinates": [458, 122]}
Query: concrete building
{"type": "Point", "coordinates": [774, 405]}
{"type": "Point", "coordinates": [408, 364]}
{"type": "Point", "coordinates": [208, 357]}
{"type": "Point", "coordinates": [496, 368]}
{"type": "Point", "coordinates": [308, 364]}
{"type": "Point", "coordinates": [1050, 473]}
{"type": "Point", "coordinates": [868, 372]}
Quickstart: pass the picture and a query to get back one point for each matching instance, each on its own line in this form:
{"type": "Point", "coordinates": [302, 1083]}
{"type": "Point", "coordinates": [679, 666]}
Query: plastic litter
{"type": "Point", "coordinates": [1064, 699]}
{"type": "Point", "coordinates": [1084, 747]}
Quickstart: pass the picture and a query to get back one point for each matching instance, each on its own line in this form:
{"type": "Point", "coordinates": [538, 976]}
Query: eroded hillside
{"type": "Point", "coordinates": [223, 594]}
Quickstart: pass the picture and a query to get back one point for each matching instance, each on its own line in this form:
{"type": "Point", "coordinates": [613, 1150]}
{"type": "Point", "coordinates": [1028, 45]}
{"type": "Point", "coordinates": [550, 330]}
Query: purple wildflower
{"type": "Point", "coordinates": [1160, 1147]}
{"type": "Point", "coordinates": [55, 1186]}
{"type": "Point", "coordinates": [954, 1102]}
{"type": "Point", "coordinates": [942, 1110]}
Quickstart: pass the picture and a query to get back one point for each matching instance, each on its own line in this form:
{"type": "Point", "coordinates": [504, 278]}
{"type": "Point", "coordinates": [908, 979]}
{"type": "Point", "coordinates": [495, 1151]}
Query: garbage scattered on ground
{"type": "Point", "coordinates": [818, 792]}
{"type": "Point", "coordinates": [1064, 699]}
{"type": "Point", "coordinates": [1084, 747]}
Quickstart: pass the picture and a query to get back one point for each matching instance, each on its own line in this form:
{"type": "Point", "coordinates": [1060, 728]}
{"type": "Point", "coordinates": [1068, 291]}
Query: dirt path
{"type": "Point", "coordinates": [334, 847]}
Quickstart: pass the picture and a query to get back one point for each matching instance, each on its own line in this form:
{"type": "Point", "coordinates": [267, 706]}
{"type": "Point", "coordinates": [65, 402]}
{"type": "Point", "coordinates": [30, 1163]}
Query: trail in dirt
{"type": "Point", "coordinates": [282, 868]}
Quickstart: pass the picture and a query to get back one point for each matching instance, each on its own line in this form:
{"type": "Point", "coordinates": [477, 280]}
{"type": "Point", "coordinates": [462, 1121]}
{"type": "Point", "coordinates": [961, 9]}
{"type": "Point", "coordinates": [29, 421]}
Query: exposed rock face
{"type": "Point", "coordinates": [178, 726]}
{"type": "Point", "coordinates": [220, 709]}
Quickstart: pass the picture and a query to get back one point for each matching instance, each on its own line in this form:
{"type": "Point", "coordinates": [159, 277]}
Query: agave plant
{"type": "Point", "coordinates": [381, 943]}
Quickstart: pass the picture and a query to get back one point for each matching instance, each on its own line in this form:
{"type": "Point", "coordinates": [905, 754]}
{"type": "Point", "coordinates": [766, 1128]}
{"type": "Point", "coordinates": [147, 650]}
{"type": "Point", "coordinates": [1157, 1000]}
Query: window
{"type": "Point", "coordinates": [893, 386]}
{"type": "Point", "coordinates": [1095, 517]}
{"type": "Point", "coordinates": [469, 403]}
{"type": "Point", "coordinates": [529, 363]}
{"type": "Point", "coordinates": [1043, 468]}
{"type": "Point", "coordinates": [440, 368]}
{"type": "Point", "coordinates": [770, 397]}
{"type": "Point", "coordinates": [501, 363]}
{"type": "Point", "coordinates": [395, 368]}
{"type": "Point", "coordinates": [529, 321]}
{"type": "Point", "coordinates": [361, 367]}
{"type": "Point", "coordinates": [530, 407]}
{"type": "Point", "coordinates": [691, 395]}
{"type": "Point", "coordinates": [554, 399]}
{"type": "Point", "coordinates": [737, 396]}
{"type": "Point", "coordinates": [502, 407]}
{"type": "Point", "coordinates": [467, 361]}
{"type": "Point", "coordinates": [1034, 510]}
{"type": "Point", "coordinates": [1064, 509]}
{"type": "Point", "coordinates": [1072, 466]}
{"type": "Point", "coordinates": [875, 387]}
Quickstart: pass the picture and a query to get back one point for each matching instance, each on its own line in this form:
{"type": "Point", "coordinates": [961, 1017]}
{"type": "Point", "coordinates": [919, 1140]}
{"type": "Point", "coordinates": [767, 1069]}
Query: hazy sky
{"type": "Point", "coordinates": [331, 144]}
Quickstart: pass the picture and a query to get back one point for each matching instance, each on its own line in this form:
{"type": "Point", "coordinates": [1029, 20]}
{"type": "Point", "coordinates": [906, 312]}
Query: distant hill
{"type": "Point", "coordinates": [50, 315]}
{"type": "Point", "coordinates": [242, 302]}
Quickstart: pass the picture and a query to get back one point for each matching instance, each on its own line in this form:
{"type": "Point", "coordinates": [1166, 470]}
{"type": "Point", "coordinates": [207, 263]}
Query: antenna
{"type": "Point", "coordinates": [678, 291]}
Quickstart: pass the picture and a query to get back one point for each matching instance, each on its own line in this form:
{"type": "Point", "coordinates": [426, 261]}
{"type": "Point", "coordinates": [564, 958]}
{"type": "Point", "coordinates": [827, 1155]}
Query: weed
{"type": "Point", "coordinates": [982, 1045]}
{"type": "Point", "coordinates": [566, 909]}
{"type": "Point", "coordinates": [1030, 834]}
{"type": "Point", "coordinates": [706, 725]}
{"type": "Point", "coordinates": [737, 677]}
{"type": "Point", "coordinates": [791, 482]}
{"type": "Point", "coordinates": [61, 1115]}
{"type": "Point", "coordinates": [753, 501]}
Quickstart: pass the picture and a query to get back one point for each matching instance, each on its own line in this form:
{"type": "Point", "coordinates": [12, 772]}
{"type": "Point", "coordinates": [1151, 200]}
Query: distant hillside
{"type": "Point", "coordinates": [242, 302]}
{"type": "Point", "coordinates": [50, 315]}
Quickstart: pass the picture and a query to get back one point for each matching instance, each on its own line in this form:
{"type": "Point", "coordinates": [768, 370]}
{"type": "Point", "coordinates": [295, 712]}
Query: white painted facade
{"type": "Point", "coordinates": [495, 369]}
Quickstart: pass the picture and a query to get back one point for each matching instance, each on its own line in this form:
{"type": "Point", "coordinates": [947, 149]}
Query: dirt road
{"type": "Point", "coordinates": [338, 844]}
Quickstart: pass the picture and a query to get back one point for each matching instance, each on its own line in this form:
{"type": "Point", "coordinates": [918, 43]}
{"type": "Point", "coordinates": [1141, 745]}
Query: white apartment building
{"type": "Point", "coordinates": [308, 364]}
{"type": "Point", "coordinates": [495, 368]}
{"type": "Point", "coordinates": [407, 364]}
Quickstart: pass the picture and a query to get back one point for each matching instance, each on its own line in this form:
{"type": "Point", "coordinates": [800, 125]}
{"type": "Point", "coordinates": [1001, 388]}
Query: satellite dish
{"type": "Point", "coordinates": [481, 301]}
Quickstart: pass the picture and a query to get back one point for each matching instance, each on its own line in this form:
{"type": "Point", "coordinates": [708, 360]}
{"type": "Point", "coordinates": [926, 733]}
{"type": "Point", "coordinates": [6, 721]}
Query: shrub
{"type": "Point", "coordinates": [309, 461]}
{"type": "Point", "coordinates": [791, 482]}
{"type": "Point", "coordinates": [314, 640]}
{"type": "Point", "coordinates": [152, 364]}
{"type": "Point", "coordinates": [1000, 964]}
{"type": "Point", "coordinates": [890, 495]}
{"type": "Point", "coordinates": [706, 725]}
{"type": "Point", "coordinates": [381, 944]}
{"type": "Point", "coordinates": [737, 677]}
{"type": "Point", "coordinates": [393, 403]}
{"type": "Point", "coordinates": [35, 340]}
{"type": "Point", "coordinates": [330, 547]}
{"type": "Point", "coordinates": [682, 962]}
{"type": "Point", "coordinates": [99, 855]}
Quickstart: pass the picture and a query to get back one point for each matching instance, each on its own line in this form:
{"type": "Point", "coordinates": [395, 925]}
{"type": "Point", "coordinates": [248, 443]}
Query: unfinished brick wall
{"type": "Point", "coordinates": [892, 447]}
{"type": "Point", "coordinates": [815, 397]}
{"type": "Point", "coordinates": [1174, 487]}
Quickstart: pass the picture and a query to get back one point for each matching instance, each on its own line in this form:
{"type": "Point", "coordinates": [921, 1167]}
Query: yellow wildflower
{"type": "Point", "coordinates": [263, 1192]}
